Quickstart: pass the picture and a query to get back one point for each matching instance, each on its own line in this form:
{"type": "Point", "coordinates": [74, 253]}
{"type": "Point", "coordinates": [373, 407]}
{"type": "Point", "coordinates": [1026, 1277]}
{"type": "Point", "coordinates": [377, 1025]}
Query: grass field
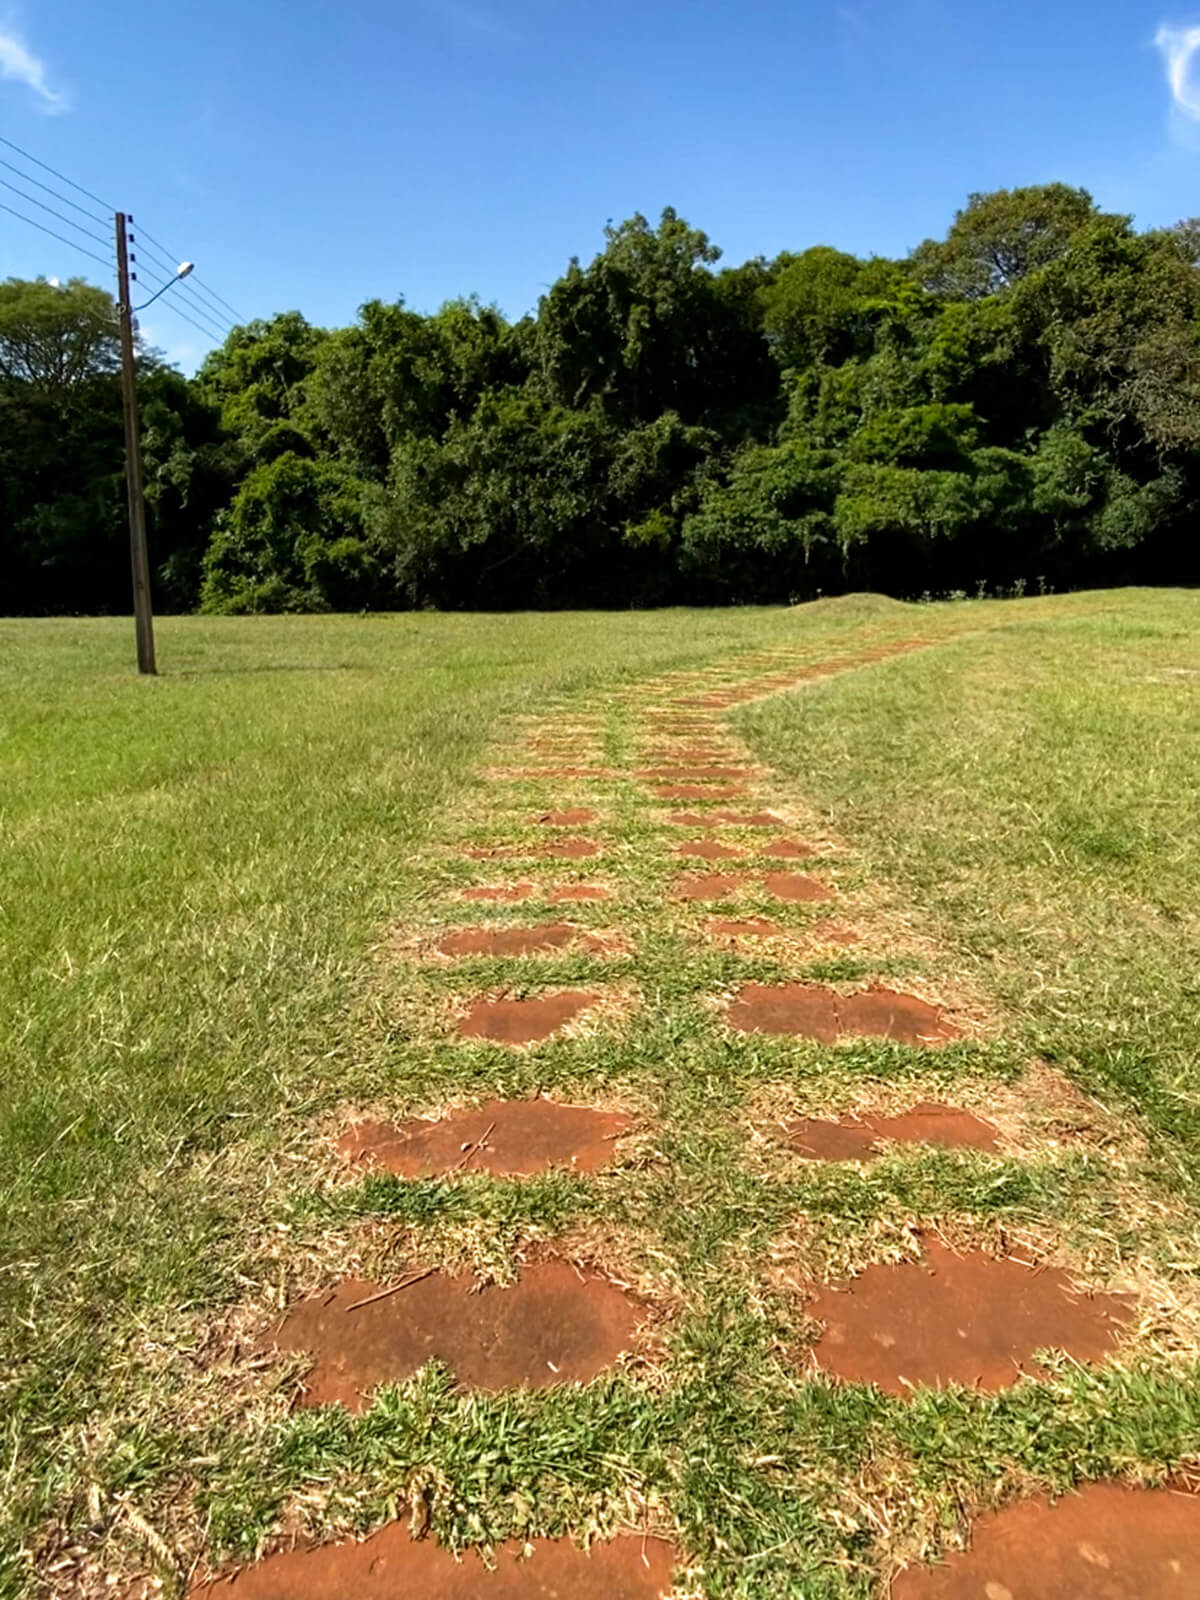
{"type": "Point", "coordinates": [212, 886]}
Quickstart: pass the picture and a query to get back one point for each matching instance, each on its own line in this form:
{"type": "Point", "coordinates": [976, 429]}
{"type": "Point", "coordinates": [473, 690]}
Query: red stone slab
{"type": "Point", "coordinates": [569, 850]}
{"type": "Point", "coordinates": [694, 771]}
{"type": "Point", "coordinates": [492, 941]}
{"type": "Point", "coordinates": [519, 1137]}
{"type": "Point", "coordinates": [698, 819]}
{"type": "Point", "coordinates": [812, 1012]}
{"type": "Point", "coordinates": [884, 1013]}
{"type": "Point", "coordinates": [749, 819]}
{"type": "Point", "coordinates": [500, 892]}
{"type": "Point", "coordinates": [708, 850]}
{"type": "Point", "coordinates": [573, 893]}
{"type": "Point", "coordinates": [698, 791]}
{"type": "Point", "coordinates": [971, 1319]}
{"type": "Point", "coordinates": [695, 755]}
{"type": "Point", "coordinates": [1107, 1542]}
{"type": "Point", "coordinates": [573, 817]}
{"type": "Point", "coordinates": [391, 1565]}
{"type": "Point", "coordinates": [862, 1138]}
{"type": "Point", "coordinates": [519, 1022]}
{"type": "Point", "coordinates": [708, 885]}
{"type": "Point", "coordinates": [796, 886]}
{"type": "Point", "coordinates": [743, 928]}
{"type": "Point", "coordinates": [787, 849]}
{"type": "Point", "coordinates": [554, 1325]}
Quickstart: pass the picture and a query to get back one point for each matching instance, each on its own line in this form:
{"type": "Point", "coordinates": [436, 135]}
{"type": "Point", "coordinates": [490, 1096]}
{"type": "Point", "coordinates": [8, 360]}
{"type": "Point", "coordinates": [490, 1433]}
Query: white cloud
{"type": "Point", "coordinates": [1179, 47]}
{"type": "Point", "coordinates": [19, 63]}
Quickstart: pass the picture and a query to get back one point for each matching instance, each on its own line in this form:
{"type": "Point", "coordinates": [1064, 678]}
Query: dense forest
{"type": "Point", "coordinates": [1015, 405]}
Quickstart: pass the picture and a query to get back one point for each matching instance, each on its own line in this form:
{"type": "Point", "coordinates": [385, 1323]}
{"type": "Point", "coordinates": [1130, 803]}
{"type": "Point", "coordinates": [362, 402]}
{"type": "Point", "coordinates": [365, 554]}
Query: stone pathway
{"type": "Point", "coordinates": [947, 1316]}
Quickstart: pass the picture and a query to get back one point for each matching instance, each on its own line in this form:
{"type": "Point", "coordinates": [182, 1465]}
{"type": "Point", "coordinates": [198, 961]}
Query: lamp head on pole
{"type": "Point", "coordinates": [184, 268]}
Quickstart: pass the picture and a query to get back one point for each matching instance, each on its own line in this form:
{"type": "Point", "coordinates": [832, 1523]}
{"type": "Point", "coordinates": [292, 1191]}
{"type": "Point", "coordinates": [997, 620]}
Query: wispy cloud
{"type": "Point", "coordinates": [20, 64]}
{"type": "Point", "coordinates": [1178, 47]}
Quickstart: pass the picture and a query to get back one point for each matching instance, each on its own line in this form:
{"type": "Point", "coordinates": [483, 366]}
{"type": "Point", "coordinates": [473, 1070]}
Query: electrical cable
{"type": "Point", "coordinates": [66, 199]}
{"type": "Point", "coordinates": [42, 206]}
{"type": "Point", "coordinates": [62, 177]}
{"type": "Point", "coordinates": [233, 310]}
{"type": "Point", "coordinates": [60, 237]}
{"type": "Point", "coordinates": [207, 300]}
{"type": "Point", "coordinates": [216, 336]}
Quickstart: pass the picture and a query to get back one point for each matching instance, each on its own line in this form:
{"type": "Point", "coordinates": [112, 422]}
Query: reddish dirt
{"type": "Point", "coordinates": [574, 817]}
{"type": "Point", "coordinates": [862, 1138]}
{"type": "Point", "coordinates": [520, 941]}
{"type": "Point", "coordinates": [787, 849]}
{"type": "Point", "coordinates": [1107, 1542]}
{"type": "Point", "coordinates": [519, 1137]}
{"type": "Point", "coordinates": [743, 928]}
{"type": "Point", "coordinates": [524, 1021]}
{"type": "Point", "coordinates": [708, 850]}
{"type": "Point", "coordinates": [971, 1319]}
{"type": "Point", "coordinates": [698, 791]}
{"type": "Point", "coordinates": [391, 1565]}
{"type": "Point", "coordinates": [569, 850]}
{"type": "Point", "coordinates": [708, 885]}
{"type": "Point", "coordinates": [572, 893]}
{"type": "Point", "coordinates": [500, 891]}
{"type": "Point", "coordinates": [813, 1012]}
{"type": "Point", "coordinates": [554, 1325]}
{"type": "Point", "coordinates": [696, 819]}
{"type": "Point", "coordinates": [694, 772]}
{"type": "Point", "coordinates": [751, 819]}
{"type": "Point", "coordinates": [796, 886]}
{"type": "Point", "coordinates": [694, 755]}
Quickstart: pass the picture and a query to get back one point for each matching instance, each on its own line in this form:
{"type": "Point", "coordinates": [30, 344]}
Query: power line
{"type": "Point", "coordinates": [61, 239]}
{"type": "Point", "coordinates": [42, 206]}
{"type": "Point", "coordinates": [62, 178]}
{"type": "Point", "coordinates": [233, 310]}
{"type": "Point", "coordinates": [208, 298]}
{"type": "Point", "coordinates": [66, 200]}
{"type": "Point", "coordinates": [209, 333]}
{"type": "Point", "coordinates": [201, 290]}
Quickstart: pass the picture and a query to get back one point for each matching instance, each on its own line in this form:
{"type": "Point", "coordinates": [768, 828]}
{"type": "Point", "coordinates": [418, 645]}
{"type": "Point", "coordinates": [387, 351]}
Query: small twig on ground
{"type": "Point", "coordinates": [473, 1149]}
{"type": "Point", "coordinates": [405, 1283]}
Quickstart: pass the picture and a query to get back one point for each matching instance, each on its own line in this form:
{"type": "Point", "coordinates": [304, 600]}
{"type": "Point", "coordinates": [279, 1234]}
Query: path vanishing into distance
{"type": "Point", "coordinates": [731, 1208]}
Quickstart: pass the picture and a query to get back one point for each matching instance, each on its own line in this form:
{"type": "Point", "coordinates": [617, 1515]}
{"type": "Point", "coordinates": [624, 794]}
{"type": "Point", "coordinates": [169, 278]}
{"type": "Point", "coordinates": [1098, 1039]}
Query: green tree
{"type": "Point", "coordinates": [1000, 238]}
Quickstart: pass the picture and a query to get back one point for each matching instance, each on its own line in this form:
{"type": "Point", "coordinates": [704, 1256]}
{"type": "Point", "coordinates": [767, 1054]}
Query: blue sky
{"type": "Point", "coordinates": [314, 155]}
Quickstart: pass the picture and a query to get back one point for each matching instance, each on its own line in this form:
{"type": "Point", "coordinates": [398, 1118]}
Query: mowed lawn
{"type": "Point", "coordinates": [199, 874]}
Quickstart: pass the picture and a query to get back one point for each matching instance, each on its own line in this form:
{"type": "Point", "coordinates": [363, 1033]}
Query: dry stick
{"type": "Point", "coordinates": [405, 1283]}
{"type": "Point", "coordinates": [474, 1148]}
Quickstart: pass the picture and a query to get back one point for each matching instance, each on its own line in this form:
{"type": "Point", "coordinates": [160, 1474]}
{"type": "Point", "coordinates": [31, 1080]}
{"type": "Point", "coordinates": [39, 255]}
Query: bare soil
{"type": "Point", "coordinates": [1107, 1542]}
{"type": "Point", "coordinates": [556, 1324]}
{"type": "Point", "coordinates": [813, 1012]}
{"type": "Point", "coordinates": [509, 1138]}
{"type": "Point", "coordinates": [973, 1319]}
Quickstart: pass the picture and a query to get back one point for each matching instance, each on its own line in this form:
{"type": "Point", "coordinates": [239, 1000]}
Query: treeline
{"type": "Point", "coordinates": [1015, 404]}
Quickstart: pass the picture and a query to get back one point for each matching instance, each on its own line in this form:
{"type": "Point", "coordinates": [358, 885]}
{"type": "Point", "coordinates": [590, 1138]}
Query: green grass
{"type": "Point", "coordinates": [198, 878]}
{"type": "Point", "coordinates": [1037, 792]}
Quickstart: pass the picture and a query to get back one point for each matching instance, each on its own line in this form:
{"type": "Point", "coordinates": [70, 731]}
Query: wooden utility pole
{"type": "Point", "coordinates": [139, 553]}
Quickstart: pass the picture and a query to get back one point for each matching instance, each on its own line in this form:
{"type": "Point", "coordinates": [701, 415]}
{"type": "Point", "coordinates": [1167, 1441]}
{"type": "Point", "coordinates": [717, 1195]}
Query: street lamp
{"type": "Point", "coordinates": [181, 271]}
